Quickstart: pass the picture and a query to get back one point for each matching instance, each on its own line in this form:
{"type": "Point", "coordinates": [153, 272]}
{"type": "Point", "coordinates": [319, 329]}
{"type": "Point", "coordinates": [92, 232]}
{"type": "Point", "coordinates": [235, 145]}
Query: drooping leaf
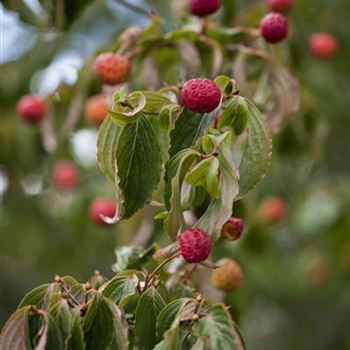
{"type": "Point", "coordinates": [107, 147]}
{"type": "Point", "coordinates": [168, 315]}
{"type": "Point", "coordinates": [138, 165]}
{"type": "Point", "coordinates": [76, 341]}
{"type": "Point", "coordinates": [148, 308]}
{"type": "Point", "coordinates": [15, 334]}
{"type": "Point", "coordinates": [103, 326]}
{"type": "Point", "coordinates": [217, 330]}
{"type": "Point", "coordinates": [189, 126]}
{"type": "Point", "coordinates": [256, 156]}
{"type": "Point", "coordinates": [121, 286]}
{"type": "Point", "coordinates": [175, 172]}
{"type": "Point", "coordinates": [220, 209]}
{"type": "Point", "coordinates": [132, 257]}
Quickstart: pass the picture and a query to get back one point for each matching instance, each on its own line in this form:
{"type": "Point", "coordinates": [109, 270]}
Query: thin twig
{"type": "Point", "coordinates": [136, 8]}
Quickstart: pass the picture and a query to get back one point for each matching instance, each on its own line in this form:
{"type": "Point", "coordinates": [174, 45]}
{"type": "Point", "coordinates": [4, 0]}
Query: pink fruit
{"type": "Point", "coordinates": [272, 209]}
{"type": "Point", "coordinates": [232, 229]}
{"type": "Point", "coordinates": [280, 5]}
{"type": "Point", "coordinates": [323, 45]}
{"type": "Point", "coordinates": [200, 95]}
{"type": "Point", "coordinates": [204, 8]}
{"type": "Point", "coordinates": [31, 108]}
{"type": "Point", "coordinates": [65, 175]}
{"type": "Point", "coordinates": [112, 68]}
{"type": "Point", "coordinates": [96, 109]}
{"type": "Point", "coordinates": [274, 27]}
{"type": "Point", "coordinates": [102, 206]}
{"type": "Point", "coordinates": [195, 245]}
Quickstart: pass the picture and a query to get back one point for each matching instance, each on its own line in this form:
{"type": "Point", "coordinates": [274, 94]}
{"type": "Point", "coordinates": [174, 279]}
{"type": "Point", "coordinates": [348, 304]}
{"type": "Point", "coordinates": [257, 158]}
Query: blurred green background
{"type": "Point", "coordinates": [296, 273]}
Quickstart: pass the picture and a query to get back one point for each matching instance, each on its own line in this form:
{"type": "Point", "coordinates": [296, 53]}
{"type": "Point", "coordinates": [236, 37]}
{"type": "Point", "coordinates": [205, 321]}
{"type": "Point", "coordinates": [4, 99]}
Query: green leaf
{"type": "Point", "coordinates": [120, 287]}
{"type": "Point", "coordinates": [189, 126]}
{"type": "Point", "coordinates": [59, 310]}
{"type": "Point", "coordinates": [155, 101]}
{"type": "Point", "coordinates": [168, 315]}
{"type": "Point", "coordinates": [176, 170]}
{"type": "Point", "coordinates": [103, 326]}
{"type": "Point", "coordinates": [229, 35]}
{"type": "Point", "coordinates": [132, 257]}
{"type": "Point", "coordinates": [256, 156]}
{"type": "Point", "coordinates": [172, 340]}
{"type": "Point", "coordinates": [226, 84]}
{"type": "Point", "coordinates": [167, 115]}
{"type": "Point", "coordinates": [148, 308]}
{"type": "Point", "coordinates": [235, 115]}
{"type": "Point", "coordinates": [217, 330]}
{"type": "Point", "coordinates": [50, 335]}
{"type": "Point", "coordinates": [40, 295]}
{"type": "Point", "coordinates": [75, 288]}
{"type": "Point", "coordinates": [138, 165]}
{"type": "Point", "coordinates": [15, 334]}
{"type": "Point", "coordinates": [76, 341]}
{"type": "Point", "coordinates": [107, 147]}
{"type": "Point", "coordinates": [220, 209]}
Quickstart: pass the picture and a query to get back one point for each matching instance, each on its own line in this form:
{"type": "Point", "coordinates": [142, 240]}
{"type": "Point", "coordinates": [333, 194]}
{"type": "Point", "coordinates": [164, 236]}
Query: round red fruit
{"type": "Point", "coordinates": [203, 8]}
{"type": "Point", "coordinates": [232, 229]}
{"type": "Point", "coordinates": [274, 27]}
{"type": "Point", "coordinates": [323, 45]}
{"type": "Point", "coordinates": [31, 108]}
{"type": "Point", "coordinates": [96, 109]}
{"type": "Point", "coordinates": [102, 206]}
{"type": "Point", "coordinates": [65, 175]}
{"type": "Point", "coordinates": [200, 95]}
{"type": "Point", "coordinates": [112, 68]}
{"type": "Point", "coordinates": [280, 5]}
{"type": "Point", "coordinates": [272, 209]}
{"type": "Point", "coordinates": [195, 245]}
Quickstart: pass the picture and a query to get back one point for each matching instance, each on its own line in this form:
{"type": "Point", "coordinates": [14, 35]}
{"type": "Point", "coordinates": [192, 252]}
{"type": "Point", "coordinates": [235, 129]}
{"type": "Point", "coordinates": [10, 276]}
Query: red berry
{"type": "Point", "coordinates": [272, 209]}
{"type": "Point", "coordinates": [112, 68]}
{"type": "Point", "coordinates": [232, 229]}
{"type": "Point", "coordinates": [280, 5]}
{"type": "Point", "coordinates": [65, 175]}
{"type": "Point", "coordinates": [31, 108]}
{"type": "Point", "coordinates": [102, 206]}
{"type": "Point", "coordinates": [323, 45]}
{"type": "Point", "coordinates": [195, 245]}
{"type": "Point", "coordinates": [274, 27]}
{"type": "Point", "coordinates": [204, 8]}
{"type": "Point", "coordinates": [200, 95]}
{"type": "Point", "coordinates": [96, 109]}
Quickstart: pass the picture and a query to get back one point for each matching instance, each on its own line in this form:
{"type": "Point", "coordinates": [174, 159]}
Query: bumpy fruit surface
{"type": "Point", "coordinates": [274, 27]}
{"type": "Point", "coordinates": [195, 245]}
{"type": "Point", "coordinates": [204, 8]}
{"type": "Point", "coordinates": [228, 276]}
{"type": "Point", "coordinates": [102, 206]}
{"type": "Point", "coordinates": [112, 68]}
{"type": "Point", "coordinates": [31, 108]}
{"type": "Point", "coordinates": [200, 95]}
{"type": "Point", "coordinates": [323, 45]}
{"type": "Point", "coordinates": [280, 5]}
{"type": "Point", "coordinates": [272, 209]}
{"type": "Point", "coordinates": [232, 229]}
{"type": "Point", "coordinates": [96, 109]}
{"type": "Point", "coordinates": [65, 175]}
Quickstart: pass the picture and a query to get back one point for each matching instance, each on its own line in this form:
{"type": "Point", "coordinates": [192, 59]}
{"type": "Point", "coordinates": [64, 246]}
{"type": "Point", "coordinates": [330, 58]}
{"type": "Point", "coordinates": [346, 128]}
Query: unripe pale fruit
{"type": "Point", "coordinates": [65, 175]}
{"type": "Point", "coordinates": [202, 8]}
{"type": "Point", "coordinates": [96, 109]}
{"type": "Point", "coordinates": [272, 209]}
{"type": "Point", "coordinates": [323, 45]}
{"type": "Point", "coordinates": [200, 95]}
{"type": "Point", "coordinates": [195, 245]}
{"type": "Point", "coordinates": [280, 5]}
{"type": "Point", "coordinates": [31, 108]}
{"type": "Point", "coordinates": [112, 68]}
{"type": "Point", "coordinates": [102, 206]}
{"type": "Point", "coordinates": [274, 27]}
{"type": "Point", "coordinates": [228, 276]}
{"type": "Point", "coordinates": [232, 229]}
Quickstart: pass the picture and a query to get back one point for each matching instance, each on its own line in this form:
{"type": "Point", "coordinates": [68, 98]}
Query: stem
{"type": "Point", "coordinates": [136, 8]}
